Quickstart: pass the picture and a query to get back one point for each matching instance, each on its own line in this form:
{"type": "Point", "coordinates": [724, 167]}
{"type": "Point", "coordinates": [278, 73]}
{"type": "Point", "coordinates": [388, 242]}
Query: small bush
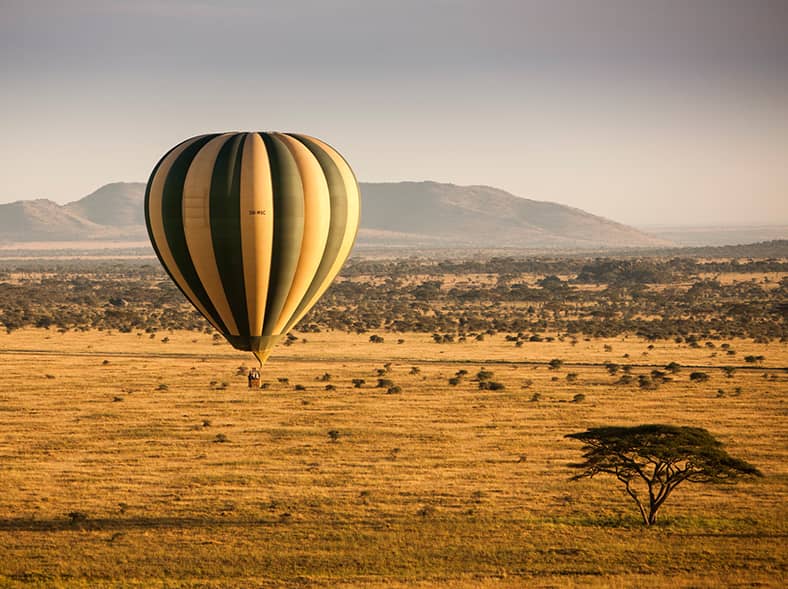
{"type": "Point", "coordinates": [555, 363]}
{"type": "Point", "coordinates": [394, 390]}
{"type": "Point", "coordinates": [699, 377]}
{"type": "Point", "coordinates": [77, 517]}
{"type": "Point", "coordinates": [578, 398]}
{"type": "Point", "coordinates": [483, 375]}
{"type": "Point", "coordinates": [358, 382]}
{"type": "Point", "coordinates": [333, 435]}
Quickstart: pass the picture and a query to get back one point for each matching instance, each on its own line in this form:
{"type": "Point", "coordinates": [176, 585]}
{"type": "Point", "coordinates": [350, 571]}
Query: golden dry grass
{"type": "Point", "coordinates": [437, 486]}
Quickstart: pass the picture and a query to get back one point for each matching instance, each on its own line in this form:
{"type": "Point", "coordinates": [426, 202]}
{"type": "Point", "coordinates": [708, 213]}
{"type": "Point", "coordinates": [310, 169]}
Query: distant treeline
{"type": "Point", "coordinates": [525, 298]}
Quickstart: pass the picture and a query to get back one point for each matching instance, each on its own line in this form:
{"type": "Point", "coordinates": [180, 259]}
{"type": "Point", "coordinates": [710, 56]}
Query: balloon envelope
{"type": "Point", "coordinates": [253, 228]}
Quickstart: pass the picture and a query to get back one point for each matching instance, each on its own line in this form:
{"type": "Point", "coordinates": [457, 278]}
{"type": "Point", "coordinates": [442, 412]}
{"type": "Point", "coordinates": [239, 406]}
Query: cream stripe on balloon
{"type": "Point", "coordinates": [257, 227]}
{"type": "Point", "coordinates": [197, 227]}
{"type": "Point", "coordinates": [351, 228]}
{"type": "Point", "coordinates": [317, 218]}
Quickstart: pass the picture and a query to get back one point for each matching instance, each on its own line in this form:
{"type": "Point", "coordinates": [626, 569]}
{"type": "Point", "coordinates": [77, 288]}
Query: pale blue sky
{"type": "Point", "coordinates": [644, 111]}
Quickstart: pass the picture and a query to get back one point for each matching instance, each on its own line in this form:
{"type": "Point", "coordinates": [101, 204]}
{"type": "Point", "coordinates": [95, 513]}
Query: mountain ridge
{"type": "Point", "coordinates": [393, 214]}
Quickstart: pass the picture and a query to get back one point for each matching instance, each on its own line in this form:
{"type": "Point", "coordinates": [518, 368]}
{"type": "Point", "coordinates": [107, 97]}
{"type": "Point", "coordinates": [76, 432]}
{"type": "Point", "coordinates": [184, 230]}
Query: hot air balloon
{"type": "Point", "coordinates": [252, 228]}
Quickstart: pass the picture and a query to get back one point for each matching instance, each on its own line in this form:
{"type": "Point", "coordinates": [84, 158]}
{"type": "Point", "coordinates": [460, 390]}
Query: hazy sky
{"type": "Point", "coordinates": [644, 111]}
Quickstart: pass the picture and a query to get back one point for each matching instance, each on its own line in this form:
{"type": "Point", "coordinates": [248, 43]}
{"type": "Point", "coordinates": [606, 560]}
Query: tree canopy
{"type": "Point", "coordinates": [652, 460]}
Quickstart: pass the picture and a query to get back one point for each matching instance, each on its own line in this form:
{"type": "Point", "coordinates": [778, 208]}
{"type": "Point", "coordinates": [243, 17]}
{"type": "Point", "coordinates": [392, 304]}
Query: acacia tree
{"type": "Point", "coordinates": [652, 460]}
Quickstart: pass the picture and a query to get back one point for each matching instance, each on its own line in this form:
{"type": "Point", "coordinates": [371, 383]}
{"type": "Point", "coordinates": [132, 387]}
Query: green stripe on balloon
{"type": "Point", "coordinates": [288, 227]}
{"type": "Point", "coordinates": [225, 216]}
{"type": "Point", "coordinates": [338, 225]}
{"type": "Point", "coordinates": [172, 216]}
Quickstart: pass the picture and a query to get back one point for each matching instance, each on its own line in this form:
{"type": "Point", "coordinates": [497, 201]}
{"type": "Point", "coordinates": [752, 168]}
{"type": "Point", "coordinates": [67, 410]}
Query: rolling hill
{"type": "Point", "coordinates": [412, 214]}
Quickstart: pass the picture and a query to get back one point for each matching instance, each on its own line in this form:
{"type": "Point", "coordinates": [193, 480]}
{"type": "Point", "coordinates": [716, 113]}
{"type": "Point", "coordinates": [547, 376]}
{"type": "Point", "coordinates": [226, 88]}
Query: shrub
{"type": "Point", "coordinates": [699, 377]}
{"type": "Point", "coordinates": [384, 383]}
{"type": "Point", "coordinates": [579, 397]}
{"type": "Point", "coordinates": [645, 383]}
{"type": "Point", "coordinates": [333, 435]}
{"type": "Point", "coordinates": [358, 382]}
{"type": "Point", "coordinates": [555, 363]}
{"type": "Point", "coordinates": [76, 517]}
{"type": "Point", "coordinates": [394, 390]}
{"type": "Point", "coordinates": [483, 375]}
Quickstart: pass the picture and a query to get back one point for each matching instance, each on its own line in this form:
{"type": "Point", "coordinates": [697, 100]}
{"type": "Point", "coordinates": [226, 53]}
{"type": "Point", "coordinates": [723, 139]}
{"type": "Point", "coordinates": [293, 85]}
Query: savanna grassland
{"type": "Point", "coordinates": [132, 452]}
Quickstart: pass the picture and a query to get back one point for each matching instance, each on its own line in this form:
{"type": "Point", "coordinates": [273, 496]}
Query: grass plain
{"type": "Point", "coordinates": [128, 461]}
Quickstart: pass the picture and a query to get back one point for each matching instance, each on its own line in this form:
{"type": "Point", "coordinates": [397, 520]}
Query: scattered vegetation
{"type": "Point", "coordinates": [656, 298]}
